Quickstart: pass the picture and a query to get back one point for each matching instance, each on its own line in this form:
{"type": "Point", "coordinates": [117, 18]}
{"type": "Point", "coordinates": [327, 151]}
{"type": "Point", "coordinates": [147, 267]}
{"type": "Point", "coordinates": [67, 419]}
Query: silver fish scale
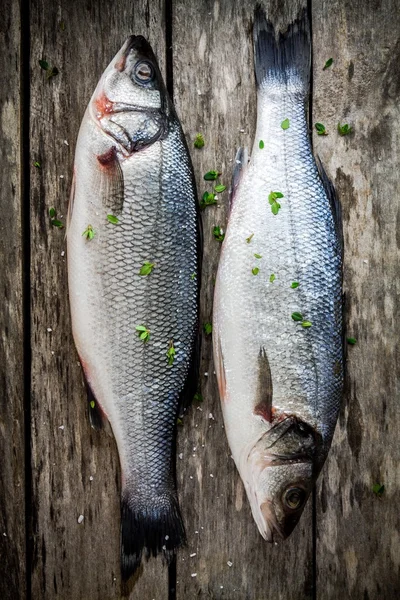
{"type": "Point", "coordinates": [157, 224]}
{"type": "Point", "coordinates": [299, 244]}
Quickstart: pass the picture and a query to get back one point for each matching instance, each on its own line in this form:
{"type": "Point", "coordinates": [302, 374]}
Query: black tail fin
{"type": "Point", "coordinates": [149, 528]}
{"type": "Point", "coordinates": [284, 59]}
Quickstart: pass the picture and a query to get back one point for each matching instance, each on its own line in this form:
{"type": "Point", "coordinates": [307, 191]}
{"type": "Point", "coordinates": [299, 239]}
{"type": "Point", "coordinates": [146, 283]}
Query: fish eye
{"type": "Point", "coordinates": [143, 72]}
{"type": "Point", "coordinates": [294, 498]}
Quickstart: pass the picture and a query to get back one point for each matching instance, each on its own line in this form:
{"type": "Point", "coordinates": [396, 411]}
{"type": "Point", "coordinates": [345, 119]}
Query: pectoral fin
{"type": "Point", "coordinates": [263, 405]}
{"type": "Point", "coordinates": [110, 181]}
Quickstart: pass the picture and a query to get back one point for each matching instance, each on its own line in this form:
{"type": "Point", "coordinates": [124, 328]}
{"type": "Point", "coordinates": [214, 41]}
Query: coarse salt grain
{"type": "Point", "coordinates": [80, 519]}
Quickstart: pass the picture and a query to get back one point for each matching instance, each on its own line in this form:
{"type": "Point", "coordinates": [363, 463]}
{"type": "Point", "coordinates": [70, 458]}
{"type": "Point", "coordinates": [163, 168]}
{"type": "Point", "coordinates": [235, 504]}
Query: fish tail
{"type": "Point", "coordinates": [284, 59]}
{"type": "Point", "coordinates": [149, 527]}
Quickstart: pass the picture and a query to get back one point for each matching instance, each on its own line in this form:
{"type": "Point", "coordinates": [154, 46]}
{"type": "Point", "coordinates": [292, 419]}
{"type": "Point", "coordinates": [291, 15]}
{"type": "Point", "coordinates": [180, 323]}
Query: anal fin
{"type": "Point", "coordinates": [97, 417]}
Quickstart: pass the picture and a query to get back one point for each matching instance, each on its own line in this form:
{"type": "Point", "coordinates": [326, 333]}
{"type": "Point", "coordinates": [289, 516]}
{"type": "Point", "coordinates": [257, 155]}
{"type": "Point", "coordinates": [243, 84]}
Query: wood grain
{"type": "Point", "coordinates": [214, 92]}
{"type": "Point", "coordinates": [358, 542]}
{"type": "Point", "coordinates": [12, 444]}
{"type": "Point", "coordinates": [72, 560]}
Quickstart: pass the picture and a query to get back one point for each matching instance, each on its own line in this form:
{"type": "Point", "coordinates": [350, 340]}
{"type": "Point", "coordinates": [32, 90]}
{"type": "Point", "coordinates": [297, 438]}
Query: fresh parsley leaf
{"type": "Point", "coordinates": [248, 240]}
{"type": "Point", "coordinates": [92, 404]}
{"type": "Point", "coordinates": [306, 324]}
{"type": "Point", "coordinates": [207, 328]}
{"type": "Point", "coordinates": [257, 256]}
{"type": "Point", "coordinates": [198, 397]}
{"type": "Point", "coordinates": [193, 276]}
{"type": "Point", "coordinates": [294, 285]}
{"type": "Point", "coordinates": [218, 233]}
{"type": "Point", "coordinates": [179, 421]}
{"type": "Point", "coordinates": [261, 144]}
{"type": "Point", "coordinates": [255, 271]}
{"type": "Point", "coordinates": [351, 341]}
{"type": "Point", "coordinates": [57, 223]}
{"type": "Point", "coordinates": [327, 64]}
{"type": "Point", "coordinates": [89, 232]}
{"type": "Point", "coordinates": [207, 200]}
{"type": "Point", "coordinates": [52, 72]}
{"type": "Point", "coordinates": [171, 353]}
{"type": "Point", "coordinates": [44, 65]}
{"type": "Point", "coordinates": [199, 141]}
{"type": "Point", "coordinates": [112, 219]}
{"type": "Point", "coordinates": [52, 212]}
{"type": "Point", "coordinates": [143, 332]}
{"type": "Point", "coordinates": [296, 316]}
{"type": "Point", "coordinates": [272, 199]}
{"type": "Point", "coordinates": [344, 129]}
{"type": "Point", "coordinates": [320, 129]}
{"type": "Point", "coordinates": [212, 175]}
{"type": "Point", "coordinates": [146, 268]}
{"type": "Point", "coordinates": [378, 489]}
{"type": "Point", "coordinates": [285, 124]}
{"type": "Point", "coordinates": [272, 277]}
{"type": "Point", "coordinates": [37, 164]}
{"type": "Point", "coordinates": [219, 188]}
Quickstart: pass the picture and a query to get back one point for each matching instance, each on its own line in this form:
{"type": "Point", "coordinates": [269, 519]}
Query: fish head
{"type": "Point", "coordinates": [131, 103]}
{"type": "Point", "coordinates": [281, 473]}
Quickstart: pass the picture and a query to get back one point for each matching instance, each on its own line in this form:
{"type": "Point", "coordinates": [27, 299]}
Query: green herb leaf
{"type": "Point", "coordinates": [255, 271]}
{"type": "Point", "coordinates": [306, 324]}
{"type": "Point", "coordinates": [112, 219]}
{"type": "Point", "coordinates": [143, 332]}
{"type": "Point", "coordinates": [92, 404]}
{"type": "Point", "coordinates": [218, 234]}
{"type": "Point", "coordinates": [207, 328]}
{"type": "Point", "coordinates": [327, 64]}
{"type": "Point", "coordinates": [37, 164]}
{"type": "Point", "coordinates": [257, 256]}
{"type": "Point", "coordinates": [272, 199]}
{"type": "Point", "coordinates": [294, 285]}
{"type": "Point", "coordinates": [199, 141]}
{"type": "Point", "coordinates": [146, 268]}
{"type": "Point", "coordinates": [344, 129]}
{"type": "Point", "coordinates": [248, 240]}
{"type": "Point", "coordinates": [320, 129]}
{"type": "Point", "coordinates": [89, 232]}
{"type": "Point", "coordinates": [378, 489]}
{"type": "Point", "coordinates": [193, 276]}
{"type": "Point", "coordinates": [219, 188]}
{"type": "Point", "coordinates": [285, 124]}
{"type": "Point", "coordinates": [171, 353]}
{"type": "Point", "coordinates": [207, 200]}
{"type": "Point", "coordinates": [261, 144]}
{"type": "Point", "coordinates": [198, 397]}
{"type": "Point", "coordinates": [57, 223]}
{"type": "Point", "coordinates": [212, 175]}
{"type": "Point", "coordinates": [44, 64]}
{"type": "Point", "coordinates": [51, 72]}
{"type": "Point", "coordinates": [351, 341]}
{"type": "Point", "coordinates": [272, 277]}
{"type": "Point", "coordinates": [275, 208]}
{"type": "Point", "coordinates": [52, 212]}
{"type": "Point", "coordinates": [296, 316]}
{"type": "Point", "coordinates": [179, 421]}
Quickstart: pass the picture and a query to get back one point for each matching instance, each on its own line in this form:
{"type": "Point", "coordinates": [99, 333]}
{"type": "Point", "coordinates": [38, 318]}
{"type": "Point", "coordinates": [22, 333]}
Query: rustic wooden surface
{"type": "Point", "coordinates": [354, 549]}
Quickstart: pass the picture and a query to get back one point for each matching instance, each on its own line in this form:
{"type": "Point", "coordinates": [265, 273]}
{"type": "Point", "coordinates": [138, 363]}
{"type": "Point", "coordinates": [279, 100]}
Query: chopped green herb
{"type": "Point", "coordinates": [285, 124]}
{"type": "Point", "coordinates": [272, 277]}
{"type": "Point", "coordinates": [92, 404]}
{"type": "Point", "coordinates": [272, 199]}
{"type": "Point", "coordinates": [143, 332]}
{"type": "Point", "coordinates": [89, 232]}
{"type": "Point", "coordinates": [207, 328]}
{"type": "Point", "coordinates": [44, 65]}
{"type": "Point", "coordinates": [193, 276]}
{"type": "Point", "coordinates": [344, 129]}
{"type": "Point", "coordinates": [294, 285]}
{"type": "Point", "coordinates": [257, 256]}
{"type": "Point", "coordinates": [261, 144]}
{"type": "Point", "coordinates": [207, 200]}
{"type": "Point", "coordinates": [112, 219]}
{"type": "Point", "coordinates": [171, 353]}
{"type": "Point", "coordinates": [179, 421]}
{"type": "Point", "coordinates": [378, 489]}
{"type": "Point", "coordinates": [296, 316]}
{"type": "Point", "coordinates": [50, 71]}
{"type": "Point", "coordinates": [219, 189]}
{"type": "Point", "coordinates": [351, 341]}
{"type": "Point", "coordinates": [52, 212]}
{"type": "Point", "coordinates": [320, 129]}
{"type": "Point", "coordinates": [306, 324]}
{"type": "Point", "coordinates": [199, 141]}
{"type": "Point", "coordinates": [57, 223]}
{"type": "Point", "coordinates": [327, 64]}
{"type": "Point", "coordinates": [198, 397]}
{"type": "Point", "coordinates": [37, 164]}
{"type": "Point", "coordinates": [218, 234]}
{"type": "Point", "coordinates": [146, 268]}
{"type": "Point", "coordinates": [248, 240]}
{"type": "Point", "coordinates": [255, 271]}
{"type": "Point", "coordinates": [212, 175]}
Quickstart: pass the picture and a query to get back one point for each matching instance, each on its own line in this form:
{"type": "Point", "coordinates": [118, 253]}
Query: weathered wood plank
{"type": "Point", "coordinates": [72, 560]}
{"type": "Point", "coordinates": [12, 444]}
{"type": "Point", "coordinates": [358, 542]}
{"type": "Point", "coordinates": [214, 92]}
